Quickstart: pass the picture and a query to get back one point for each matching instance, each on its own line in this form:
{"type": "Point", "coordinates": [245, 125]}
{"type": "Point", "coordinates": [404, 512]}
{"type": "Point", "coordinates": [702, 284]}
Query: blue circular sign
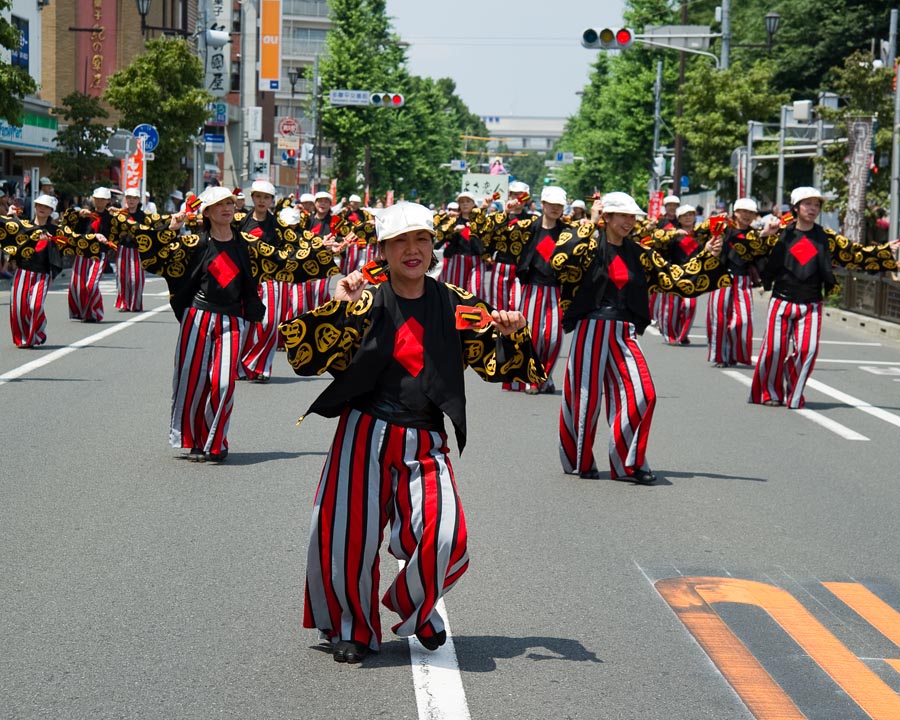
{"type": "Point", "coordinates": [150, 135]}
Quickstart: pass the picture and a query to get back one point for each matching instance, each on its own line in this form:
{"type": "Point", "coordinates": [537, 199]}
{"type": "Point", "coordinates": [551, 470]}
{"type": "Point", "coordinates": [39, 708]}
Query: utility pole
{"type": "Point", "coordinates": [895, 143]}
{"type": "Point", "coordinates": [657, 118]}
{"type": "Point", "coordinates": [726, 35]}
{"type": "Point", "coordinates": [679, 109]}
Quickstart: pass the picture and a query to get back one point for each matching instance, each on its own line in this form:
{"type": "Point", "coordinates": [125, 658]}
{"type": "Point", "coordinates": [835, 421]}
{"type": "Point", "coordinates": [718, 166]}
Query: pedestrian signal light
{"type": "Point", "coordinates": [291, 157]}
{"type": "Point", "coordinates": [386, 99]}
{"type": "Point", "coordinates": [607, 38]}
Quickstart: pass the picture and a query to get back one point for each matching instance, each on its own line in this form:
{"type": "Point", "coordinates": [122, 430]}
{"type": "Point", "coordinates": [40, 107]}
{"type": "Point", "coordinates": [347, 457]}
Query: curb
{"type": "Point", "coordinates": [875, 326]}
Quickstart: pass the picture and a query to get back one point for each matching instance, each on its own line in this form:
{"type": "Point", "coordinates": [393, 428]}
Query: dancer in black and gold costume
{"type": "Point", "coordinates": [397, 355]}
{"type": "Point", "coordinates": [213, 280]}
{"type": "Point", "coordinates": [463, 263]}
{"type": "Point", "coordinates": [605, 279]}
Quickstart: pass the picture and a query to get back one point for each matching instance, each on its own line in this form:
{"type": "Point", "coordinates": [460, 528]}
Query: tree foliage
{"type": "Point", "coordinates": [15, 82]}
{"type": "Point", "coordinates": [393, 149]}
{"type": "Point", "coordinates": [163, 87]}
{"type": "Point", "coordinates": [77, 162]}
{"type": "Point", "coordinates": [613, 127]}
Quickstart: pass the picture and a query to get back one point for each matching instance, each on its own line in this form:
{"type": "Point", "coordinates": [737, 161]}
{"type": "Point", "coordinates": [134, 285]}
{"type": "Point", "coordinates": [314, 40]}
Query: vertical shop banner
{"type": "Point", "coordinates": [134, 167]}
{"type": "Point", "coordinates": [95, 51]}
{"type": "Point", "coordinates": [218, 53]}
{"type": "Point", "coordinates": [269, 45]}
{"type": "Point", "coordinates": [861, 142]}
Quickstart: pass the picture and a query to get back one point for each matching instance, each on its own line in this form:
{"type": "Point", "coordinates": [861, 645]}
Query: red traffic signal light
{"type": "Point", "coordinates": [607, 38]}
{"type": "Point", "coordinates": [386, 99]}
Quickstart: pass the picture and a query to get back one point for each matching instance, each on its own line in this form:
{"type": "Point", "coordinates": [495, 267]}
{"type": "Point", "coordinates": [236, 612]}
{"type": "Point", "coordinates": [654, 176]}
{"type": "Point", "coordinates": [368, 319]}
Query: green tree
{"type": "Point", "coordinates": [15, 82]}
{"type": "Point", "coordinates": [865, 91]}
{"type": "Point", "coordinates": [394, 149]}
{"type": "Point", "coordinates": [77, 163]}
{"type": "Point", "coordinates": [717, 106]}
{"type": "Point", "coordinates": [163, 87]}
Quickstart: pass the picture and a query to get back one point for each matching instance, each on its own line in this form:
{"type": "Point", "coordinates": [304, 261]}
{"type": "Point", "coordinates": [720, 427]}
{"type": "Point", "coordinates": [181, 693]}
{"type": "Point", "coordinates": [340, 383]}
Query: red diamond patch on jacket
{"type": "Point", "coordinates": [545, 247]}
{"type": "Point", "coordinates": [803, 250]}
{"type": "Point", "coordinates": [688, 245]}
{"type": "Point", "coordinates": [618, 272]}
{"type": "Point", "coordinates": [466, 233]}
{"type": "Point", "coordinates": [223, 269]}
{"type": "Point", "coordinates": [40, 245]}
{"type": "Point", "coordinates": [408, 348]}
{"type": "Point", "coordinates": [256, 232]}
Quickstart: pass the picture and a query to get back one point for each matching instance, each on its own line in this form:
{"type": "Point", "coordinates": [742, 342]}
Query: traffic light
{"type": "Point", "coordinates": [386, 99]}
{"type": "Point", "coordinates": [608, 38]}
{"type": "Point", "coordinates": [291, 157]}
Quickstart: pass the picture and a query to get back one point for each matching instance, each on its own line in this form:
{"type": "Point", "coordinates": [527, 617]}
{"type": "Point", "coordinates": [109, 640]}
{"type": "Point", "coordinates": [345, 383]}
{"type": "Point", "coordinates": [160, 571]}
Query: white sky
{"type": "Point", "coordinates": [518, 57]}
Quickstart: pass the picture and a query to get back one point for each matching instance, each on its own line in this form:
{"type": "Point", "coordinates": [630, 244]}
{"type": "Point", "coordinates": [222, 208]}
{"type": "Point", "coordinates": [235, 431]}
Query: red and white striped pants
{"type": "Point", "coordinates": [351, 259]}
{"type": "Point", "coordinates": [540, 306]}
{"type": "Point", "coordinates": [729, 322]}
{"type": "Point", "coordinates": [607, 352]}
{"type": "Point", "coordinates": [85, 299]}
{"type": "Point", "coordinates": [464, 271]}
{"type": "Point", "coordinates": [129, 280]}
{"type": "Point", "coordinates": [788, 353]}
{"type": "Point", "coordinates": [675, 317]}
{"type": "Point", "coordinates": [378, 473]}
{"type": "Point", "coordinates": [261, 338]}
{"type": "Point", "coordinates": [501, 287]}
{"type": "Point", "coordinates": [27, 319]}
{"type": "Point", "coordinates": [206, 360]}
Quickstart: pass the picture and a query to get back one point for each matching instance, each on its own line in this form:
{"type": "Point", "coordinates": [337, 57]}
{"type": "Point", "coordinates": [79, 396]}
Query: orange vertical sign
{"type": "Point", "coordinates": [134, 168]}
{"type": "Point", "coordinates": [269, 45]}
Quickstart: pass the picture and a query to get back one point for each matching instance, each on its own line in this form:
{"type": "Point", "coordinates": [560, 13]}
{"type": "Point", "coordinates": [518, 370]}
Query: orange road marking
{"type": "Point", "coordinates": [872, 608]}
{"type": "Point", "coordinates": [690, 598]}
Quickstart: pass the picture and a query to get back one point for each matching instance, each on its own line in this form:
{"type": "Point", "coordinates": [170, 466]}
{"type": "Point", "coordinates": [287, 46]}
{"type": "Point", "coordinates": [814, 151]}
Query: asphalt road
{"type": "Point", "coordinates": [758, 578]}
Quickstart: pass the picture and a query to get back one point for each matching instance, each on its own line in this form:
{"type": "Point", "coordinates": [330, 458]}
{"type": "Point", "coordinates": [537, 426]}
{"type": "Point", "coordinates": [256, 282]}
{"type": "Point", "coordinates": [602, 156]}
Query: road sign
{"type": "Point", "coordinates": [287, 126]}
{"type": "Point", "coordinates": [457, 164]}
{"type": "Point", "coordinates": [121, 144]}
{"type": "Point", "coordinates": [288, 143]}
{"type": "Point", "coordinates": [150, 135]}
{"type": "Point", "coordinates": [349, 97]}
{"type": "Point", "coordinates": [566, 158]}
{"type": "Point", "coordinates": [215, 142]}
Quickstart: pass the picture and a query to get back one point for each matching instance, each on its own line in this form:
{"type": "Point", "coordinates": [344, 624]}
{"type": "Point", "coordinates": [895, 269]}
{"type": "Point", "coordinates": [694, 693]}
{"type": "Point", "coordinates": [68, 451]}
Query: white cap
{"type": "Point", "coordinates": [290, 216]}
{"type": "Point", "coordinates": [671, 199]}
{"type": "Point", "coordinates": [579, 204]}
{"type": "Point", "coordinates": [101, 193]}
{"type": "Point", "coordinates": [354, 198]}
{"type": "Point", "coordinates": [132, 192]}
{"type": "Point", "coordinates": [322, 194]}
{"type": "Point", "coordinates": [619, 202]}
{"type": "Point", "coordinates": [47, 200]}
{"type": "Point", "coordinates": [465, 194]}
{"type": "Point", "coordinates": [805, 193]}
{"type": "Point", "coordinates": [746, 204]}
{"type": "Point", "coordinates": [453, 206]}
{"type": "Point", "coordinates": [307, 197]}
{"type": "Point", "coordinates": [176, 195]}
{"type": "Point", "coordinates": [682, 209]}
{"type": "Point", "coordinates": [517, 186]}
{"type": "Point", "coordinates": [213, 195]}
{"type": "Point", "coordinates": [554, 195]}
{"type": "Point", "coordinates": [262, 186]}
{"type": "Point", "coordinates": [402, 218]}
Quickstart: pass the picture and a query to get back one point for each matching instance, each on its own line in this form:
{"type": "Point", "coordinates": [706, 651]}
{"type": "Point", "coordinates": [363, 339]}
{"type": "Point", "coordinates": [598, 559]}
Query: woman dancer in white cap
{"type": "Point", "coordinates": [605, 279]}
{"type": "Point", "coordinates": [798, 270]}
{"type": "Point", "coordinates": [398, 356]}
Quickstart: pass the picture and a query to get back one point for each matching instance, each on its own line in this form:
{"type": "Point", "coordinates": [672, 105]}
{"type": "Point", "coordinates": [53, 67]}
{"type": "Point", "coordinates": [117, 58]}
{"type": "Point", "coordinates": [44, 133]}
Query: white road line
{"type": "Point", "coordinates": [878, 412]}
{"type": "Point", "coordinates": [439, 689]}
{"type": "Point", "coordinates": [827, 423]}
{"type": "Point", "coordinates": [858, 362]}
{"type": "Point", "coordinates": [77, 345]}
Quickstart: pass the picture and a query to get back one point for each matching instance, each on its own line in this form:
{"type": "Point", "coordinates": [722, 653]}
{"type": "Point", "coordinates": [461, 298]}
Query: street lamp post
{"type": "Point", "coordinates": [772, 20]}
{"type": "Point", "coordinates": [143, 8]}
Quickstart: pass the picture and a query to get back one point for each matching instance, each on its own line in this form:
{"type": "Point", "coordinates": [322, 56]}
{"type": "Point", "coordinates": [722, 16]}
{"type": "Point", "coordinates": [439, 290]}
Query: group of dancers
{"type": "Point", "coordinates": [397, 340]}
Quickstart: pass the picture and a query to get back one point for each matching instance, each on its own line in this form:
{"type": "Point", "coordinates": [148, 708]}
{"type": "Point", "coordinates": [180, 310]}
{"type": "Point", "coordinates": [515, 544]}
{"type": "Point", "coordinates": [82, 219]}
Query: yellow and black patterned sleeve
{"type": "Point", "coordinates": [165, 252]}
{"type": "Point", "coordinates": [701, 274]}
{"type": "Point", "coordinates": [84, 245]}
{"type": "Point", "coordinates": [301, 257]}
{"type": "Point", "coordinates": [853, 256]}
{"type": "Point", "coordinates": [444, 224]}
{"type": "Point", "coordinates": [495, 357]}
{"type": "Point", "coordinates": [702, 232]}
{"type": "Point", "coordinates": [17, 234]}
{"type": "Point", "coordinates": [325, 339]}
{"type": "Point", "coordinates": [69, 218]}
